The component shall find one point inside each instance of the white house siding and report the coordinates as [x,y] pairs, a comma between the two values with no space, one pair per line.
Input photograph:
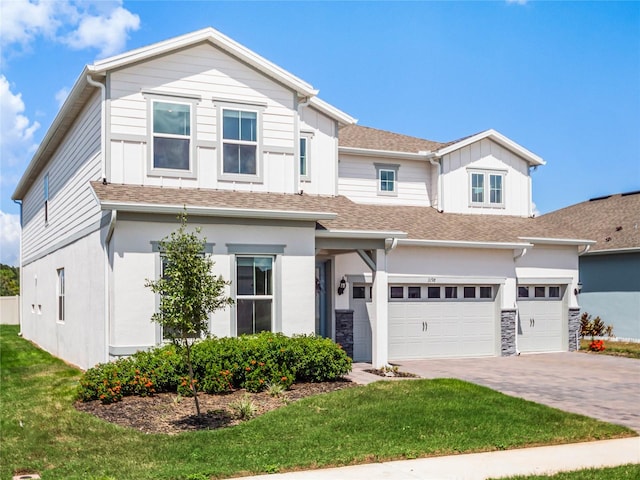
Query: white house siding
[132,304]
[485,155]
[72,206]
[209,74]
[323,148]
[357,180]
[80,339]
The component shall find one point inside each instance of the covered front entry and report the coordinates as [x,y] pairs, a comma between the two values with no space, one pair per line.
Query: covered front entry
[541,318]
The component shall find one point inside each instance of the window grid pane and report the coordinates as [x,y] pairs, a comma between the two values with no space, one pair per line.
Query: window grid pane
[469,292]
[523,292]
[477,188]
[397,292]
[414,292]
[495,195]
[554,292]
[539,292]
[450,292]
[486,292]
[433,292]
[172,118]
[387,180]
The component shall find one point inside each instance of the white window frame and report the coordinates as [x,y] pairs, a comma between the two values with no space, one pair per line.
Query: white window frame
[271,296]
[60,293]
[547,292]
[172,172]
[388,168]
[486,189]
[258,177]
[306,139]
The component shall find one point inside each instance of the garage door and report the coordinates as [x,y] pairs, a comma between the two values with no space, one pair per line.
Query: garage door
[442,321]
[540,318]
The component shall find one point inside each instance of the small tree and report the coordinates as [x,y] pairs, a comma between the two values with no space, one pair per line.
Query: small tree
[188,291]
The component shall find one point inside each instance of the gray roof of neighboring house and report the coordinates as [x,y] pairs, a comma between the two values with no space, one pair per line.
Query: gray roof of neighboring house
[612,221]
[420,223]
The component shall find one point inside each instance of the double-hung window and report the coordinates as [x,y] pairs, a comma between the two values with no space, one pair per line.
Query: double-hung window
[254,294]
[60,289]
[240,142]
[171,135]
[487,189]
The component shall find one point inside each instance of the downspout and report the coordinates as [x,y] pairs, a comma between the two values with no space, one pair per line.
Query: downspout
[439,182]
[299,106]
[516,257]
[103,126]
[19,202]
[584,250]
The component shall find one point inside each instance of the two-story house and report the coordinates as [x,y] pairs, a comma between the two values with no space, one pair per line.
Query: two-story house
[395,246]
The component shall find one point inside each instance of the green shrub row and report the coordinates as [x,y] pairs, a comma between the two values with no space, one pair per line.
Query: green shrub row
[220,365]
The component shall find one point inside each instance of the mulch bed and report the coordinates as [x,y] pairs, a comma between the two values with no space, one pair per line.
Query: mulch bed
[391,374]
[170,414]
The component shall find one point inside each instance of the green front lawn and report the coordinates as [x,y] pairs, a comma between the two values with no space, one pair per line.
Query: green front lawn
[624,472]
[42,432]
[617,349]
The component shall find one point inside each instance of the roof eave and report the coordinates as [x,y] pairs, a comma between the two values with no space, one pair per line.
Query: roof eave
[216,211]
[373,234]
[496,136]
[558,241]
[37,161]
[612,251]
[464,244]
[342,117]
[371,152]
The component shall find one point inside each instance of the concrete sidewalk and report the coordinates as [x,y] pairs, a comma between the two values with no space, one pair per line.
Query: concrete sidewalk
[480,466]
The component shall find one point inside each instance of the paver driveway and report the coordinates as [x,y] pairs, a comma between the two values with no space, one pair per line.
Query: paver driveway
[599,386]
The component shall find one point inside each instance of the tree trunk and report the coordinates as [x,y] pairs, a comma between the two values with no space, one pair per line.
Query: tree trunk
[194,390]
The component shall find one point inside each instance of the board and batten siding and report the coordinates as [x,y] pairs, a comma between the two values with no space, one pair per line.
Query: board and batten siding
[73,209]
[357,180]
[213,78]
[485,155]
[321,132]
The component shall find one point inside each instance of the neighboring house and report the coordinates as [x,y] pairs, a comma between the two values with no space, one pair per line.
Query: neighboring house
[610,269]
[394,246]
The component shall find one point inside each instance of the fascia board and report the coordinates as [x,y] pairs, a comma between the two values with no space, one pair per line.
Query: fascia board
[218,212]
[531,157]
[612,251]
[37,161]
[367,152]
[332,111]
[360,234]
[557,241]
[463,244]
[219,40]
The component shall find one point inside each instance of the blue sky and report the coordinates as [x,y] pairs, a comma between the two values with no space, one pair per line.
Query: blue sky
[561,79]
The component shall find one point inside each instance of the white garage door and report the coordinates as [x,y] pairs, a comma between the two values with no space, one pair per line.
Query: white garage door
[430,321]
[540,318]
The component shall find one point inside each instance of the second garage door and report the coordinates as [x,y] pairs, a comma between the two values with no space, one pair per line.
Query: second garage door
[541,318]
[442,321]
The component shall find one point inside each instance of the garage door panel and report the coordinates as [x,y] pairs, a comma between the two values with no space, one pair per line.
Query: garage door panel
[452,329]
[540,323]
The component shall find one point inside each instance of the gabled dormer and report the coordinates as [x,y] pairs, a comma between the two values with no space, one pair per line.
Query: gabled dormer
[485,173]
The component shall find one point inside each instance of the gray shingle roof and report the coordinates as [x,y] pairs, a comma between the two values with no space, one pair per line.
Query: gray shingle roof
[420,223]
[613,221]
[371,138]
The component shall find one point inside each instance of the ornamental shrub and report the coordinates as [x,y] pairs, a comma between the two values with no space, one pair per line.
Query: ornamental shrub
[220,365]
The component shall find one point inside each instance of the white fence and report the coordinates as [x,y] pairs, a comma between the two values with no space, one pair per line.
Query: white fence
[10,310]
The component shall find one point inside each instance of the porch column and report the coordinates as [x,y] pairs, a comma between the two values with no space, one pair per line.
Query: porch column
[380,304]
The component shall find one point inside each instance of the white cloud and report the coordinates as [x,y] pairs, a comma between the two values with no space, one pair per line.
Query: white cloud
[61,96]
[99,24]
[108,33]
[16,130]
[9,238]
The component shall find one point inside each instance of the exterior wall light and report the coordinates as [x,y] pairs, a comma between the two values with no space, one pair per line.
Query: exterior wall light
[342,286]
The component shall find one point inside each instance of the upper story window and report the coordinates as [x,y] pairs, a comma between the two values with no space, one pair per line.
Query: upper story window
[171,135]
[46,197]
[240,142]
[304,157]
[387,178]
[487,189]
